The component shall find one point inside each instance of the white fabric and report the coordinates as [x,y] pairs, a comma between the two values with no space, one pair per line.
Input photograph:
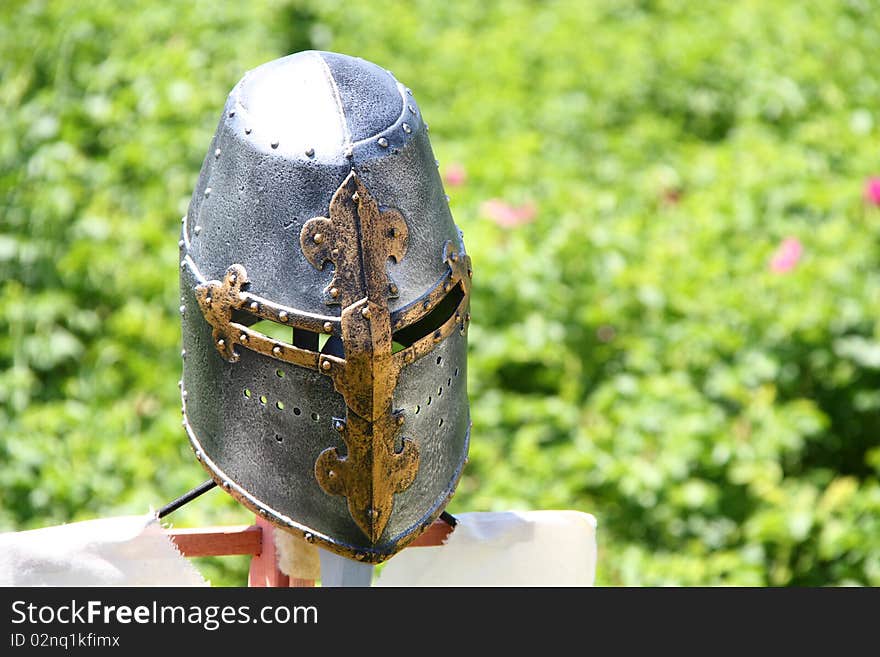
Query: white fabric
[530,548]
[124,551]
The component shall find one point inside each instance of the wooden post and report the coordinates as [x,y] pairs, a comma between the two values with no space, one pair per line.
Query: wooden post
[264,567]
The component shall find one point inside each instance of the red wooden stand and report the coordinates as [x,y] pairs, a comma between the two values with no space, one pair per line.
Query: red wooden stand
[259,541]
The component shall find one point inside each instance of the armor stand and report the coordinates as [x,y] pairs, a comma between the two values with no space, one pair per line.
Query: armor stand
[258,540]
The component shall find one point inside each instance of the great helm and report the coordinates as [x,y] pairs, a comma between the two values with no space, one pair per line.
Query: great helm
[325,292]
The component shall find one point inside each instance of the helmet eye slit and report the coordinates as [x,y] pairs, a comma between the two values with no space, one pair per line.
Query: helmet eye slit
[286,334]
[437,317]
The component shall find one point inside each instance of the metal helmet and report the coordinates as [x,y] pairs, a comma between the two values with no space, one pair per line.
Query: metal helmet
[325,292]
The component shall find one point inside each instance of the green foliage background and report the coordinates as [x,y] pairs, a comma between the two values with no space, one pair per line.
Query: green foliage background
[632,355]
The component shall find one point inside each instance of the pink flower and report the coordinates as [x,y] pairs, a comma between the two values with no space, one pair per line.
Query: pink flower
[872,190]
[455,175]
[787,256]
[509,216]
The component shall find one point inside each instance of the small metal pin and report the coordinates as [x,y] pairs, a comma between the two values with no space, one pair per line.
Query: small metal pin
[355,197]
[437,336]
[393,232]
[255,305]
[447,287]
[274,144]
[276,350]
[248,130]
[183,264]
[207,192]
[406,128]
[331,474]
[382,142]
[232,278]
[392,288]
[328,327]
[426,305]
[349,153]
[334,292]
[217,153]
[334,252]
[181,243]
[182,309]
[243,337]
[373,515]
[412,109]
[231,113]
[282,315]
[366,312]
[326,365]
[309,537]
[318,238]
[453,256]
[339,425]
[197,230]
[221,342]
[310,152]
[183,353]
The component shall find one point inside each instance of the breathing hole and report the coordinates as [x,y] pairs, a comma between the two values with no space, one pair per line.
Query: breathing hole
[440,391]
[418,408]
[439,359]
[449,382]
[429,401]
[279,405]
[456,371]
[247,393]
[279,374]
[440,422]
[263,400]
[278,438]
[297,410]
[316,417]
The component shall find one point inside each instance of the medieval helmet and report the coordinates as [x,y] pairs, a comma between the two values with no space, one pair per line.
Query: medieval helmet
[325,292]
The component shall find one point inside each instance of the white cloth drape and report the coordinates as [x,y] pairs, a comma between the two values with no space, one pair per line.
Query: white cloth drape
[124,551]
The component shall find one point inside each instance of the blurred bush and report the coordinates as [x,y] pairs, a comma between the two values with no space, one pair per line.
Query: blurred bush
[676,291]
